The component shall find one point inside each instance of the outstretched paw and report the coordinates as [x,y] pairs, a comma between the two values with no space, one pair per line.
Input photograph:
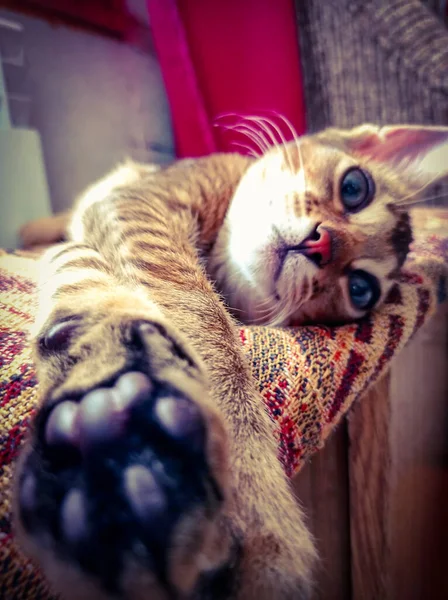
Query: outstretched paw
[122,479]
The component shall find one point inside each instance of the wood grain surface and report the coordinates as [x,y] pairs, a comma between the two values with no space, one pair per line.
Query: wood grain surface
[376,497]
[398,471]
[322,489]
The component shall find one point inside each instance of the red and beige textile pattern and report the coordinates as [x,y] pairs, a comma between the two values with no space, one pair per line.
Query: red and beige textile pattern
[308,376]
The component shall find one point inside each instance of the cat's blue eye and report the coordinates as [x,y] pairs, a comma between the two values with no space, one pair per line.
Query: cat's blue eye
[363,289]
[357,189]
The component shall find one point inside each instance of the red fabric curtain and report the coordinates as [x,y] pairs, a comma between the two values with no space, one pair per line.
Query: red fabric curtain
[225,57]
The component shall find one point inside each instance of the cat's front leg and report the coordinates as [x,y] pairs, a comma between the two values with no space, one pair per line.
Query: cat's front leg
[120,488]
[124,488]
[276,555]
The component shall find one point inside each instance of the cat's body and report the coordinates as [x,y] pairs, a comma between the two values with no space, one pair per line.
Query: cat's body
[152,471]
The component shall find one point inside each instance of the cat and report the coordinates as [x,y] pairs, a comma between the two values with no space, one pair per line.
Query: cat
[151,471]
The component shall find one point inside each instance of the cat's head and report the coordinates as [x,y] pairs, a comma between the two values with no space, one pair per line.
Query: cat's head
[318,230]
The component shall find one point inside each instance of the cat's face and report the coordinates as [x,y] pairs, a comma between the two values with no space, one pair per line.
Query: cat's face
[317,231]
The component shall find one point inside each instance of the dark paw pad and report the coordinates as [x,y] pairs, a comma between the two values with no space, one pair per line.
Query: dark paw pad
[113,473]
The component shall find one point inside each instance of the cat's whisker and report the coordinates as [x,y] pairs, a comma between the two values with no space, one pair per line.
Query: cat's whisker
[235,128]
[244,127]
[268,122]
[285,142]
[265,304]
[254,136]
[251,151]
[240,310]
[266,312]
[264,128]
[264,315]
[424,200]
[267,319]
[266,301]
[277,315]
[436,197]
[281,317]
[288,124]
[259,320]
[222,116]
[267,140]
[298,144]
[420,190]
[265,307]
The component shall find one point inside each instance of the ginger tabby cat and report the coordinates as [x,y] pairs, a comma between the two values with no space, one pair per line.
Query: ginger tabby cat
[151,471]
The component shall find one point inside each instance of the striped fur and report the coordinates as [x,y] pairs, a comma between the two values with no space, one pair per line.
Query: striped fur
[148,244]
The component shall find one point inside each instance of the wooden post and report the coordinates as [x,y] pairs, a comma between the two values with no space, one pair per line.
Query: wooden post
[398,471]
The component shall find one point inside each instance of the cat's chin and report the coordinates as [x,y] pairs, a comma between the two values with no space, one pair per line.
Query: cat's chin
[268,311]
[293,285]
[271,302]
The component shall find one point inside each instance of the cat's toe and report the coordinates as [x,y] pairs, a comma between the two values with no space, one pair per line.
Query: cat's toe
[100,416]
[145,495]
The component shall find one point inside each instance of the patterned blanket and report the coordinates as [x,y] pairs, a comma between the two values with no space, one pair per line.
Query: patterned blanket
[308,376]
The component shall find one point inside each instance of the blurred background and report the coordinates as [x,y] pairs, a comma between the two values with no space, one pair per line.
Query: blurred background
[87,83]
[100,80]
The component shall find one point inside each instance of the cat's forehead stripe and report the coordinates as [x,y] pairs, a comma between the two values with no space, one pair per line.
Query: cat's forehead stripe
[401,237]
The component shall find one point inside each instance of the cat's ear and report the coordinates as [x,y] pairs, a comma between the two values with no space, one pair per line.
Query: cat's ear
[419,152]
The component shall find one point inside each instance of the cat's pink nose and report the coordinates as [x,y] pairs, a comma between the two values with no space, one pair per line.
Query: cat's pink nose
[317,247]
